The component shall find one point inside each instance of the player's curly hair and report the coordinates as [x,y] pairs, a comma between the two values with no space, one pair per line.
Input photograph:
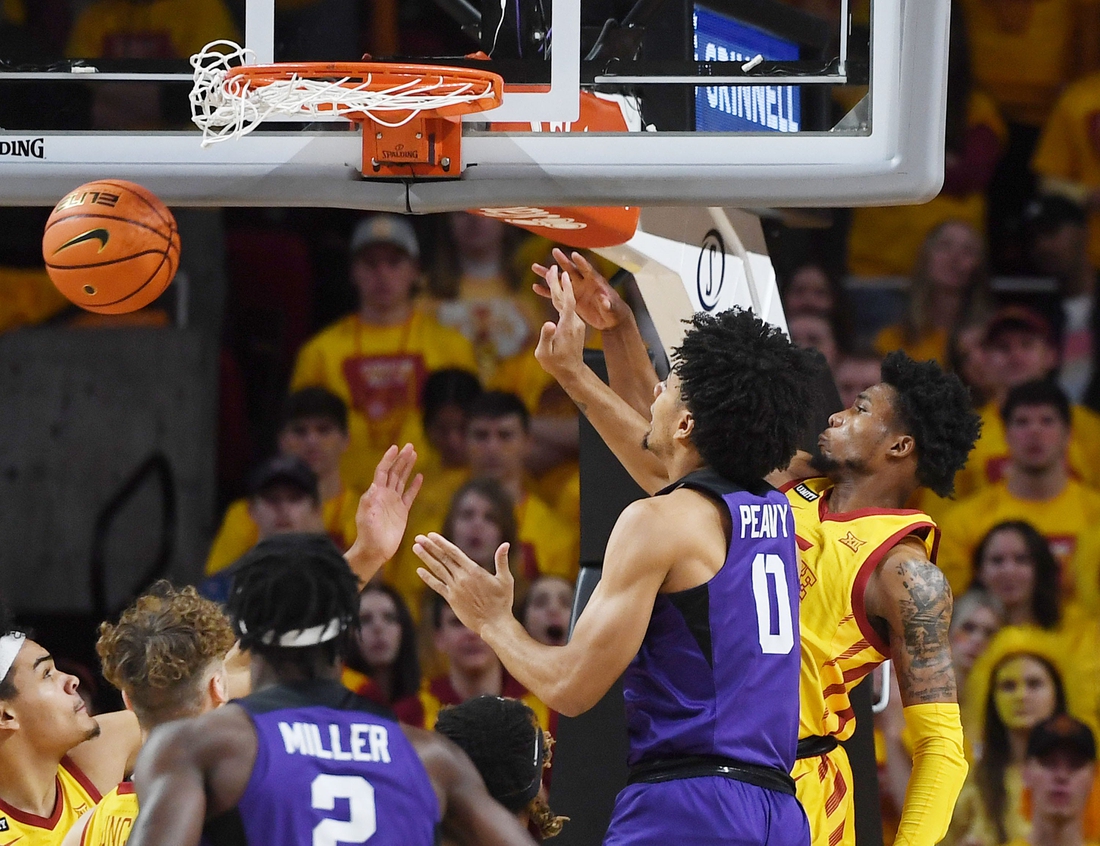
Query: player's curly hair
[934,407]
[287,584]
[159,651]
[503,739]
[747,388]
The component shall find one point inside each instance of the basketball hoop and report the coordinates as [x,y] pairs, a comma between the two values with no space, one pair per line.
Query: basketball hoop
[410,114]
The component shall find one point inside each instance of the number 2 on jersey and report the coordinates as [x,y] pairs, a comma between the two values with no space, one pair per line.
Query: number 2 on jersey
[782,641]
[362,821]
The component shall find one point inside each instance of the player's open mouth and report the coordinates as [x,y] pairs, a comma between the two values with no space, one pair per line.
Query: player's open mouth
[556,633]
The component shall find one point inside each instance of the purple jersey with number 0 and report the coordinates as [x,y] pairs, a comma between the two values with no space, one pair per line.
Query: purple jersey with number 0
[331,768]
[718,670]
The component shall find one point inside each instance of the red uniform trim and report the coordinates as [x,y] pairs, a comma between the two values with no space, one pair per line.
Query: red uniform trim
[26,818]
[85,782]
[864,575]
[843,517]
[125,788]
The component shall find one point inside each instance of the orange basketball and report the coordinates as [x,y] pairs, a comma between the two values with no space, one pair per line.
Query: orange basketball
[111,246]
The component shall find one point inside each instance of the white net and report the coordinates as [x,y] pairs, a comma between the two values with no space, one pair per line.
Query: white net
[229,108]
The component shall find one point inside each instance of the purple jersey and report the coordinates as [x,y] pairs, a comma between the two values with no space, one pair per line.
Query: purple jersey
[718,671]
[331,768]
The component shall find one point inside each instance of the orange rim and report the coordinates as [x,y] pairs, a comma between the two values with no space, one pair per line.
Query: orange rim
[380,76]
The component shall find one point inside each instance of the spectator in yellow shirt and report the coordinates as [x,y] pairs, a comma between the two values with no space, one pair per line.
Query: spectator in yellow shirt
[1018,683]
[315,429]
[1014,564]
[497,440]
[1059,773]
[1067,160]
[949,281]
[377,359]
[478,291]
[446,398]
[283,498]
[1037,487]
[1020,347]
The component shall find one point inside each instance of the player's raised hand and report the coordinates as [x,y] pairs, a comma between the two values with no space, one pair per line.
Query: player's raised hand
[560,350]
[383,512]
[477,596]
[598,304]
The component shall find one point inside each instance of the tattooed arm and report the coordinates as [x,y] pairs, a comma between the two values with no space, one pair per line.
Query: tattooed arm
[909,596]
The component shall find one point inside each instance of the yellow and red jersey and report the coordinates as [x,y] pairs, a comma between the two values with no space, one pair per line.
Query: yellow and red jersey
[111,820]
[989,458]
[1064,521]
[75,796]
[379,371]
[839,552]
[238,532]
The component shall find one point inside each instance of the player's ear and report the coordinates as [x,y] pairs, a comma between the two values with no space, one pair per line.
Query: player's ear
[217,688]
[903,446]
[8,719]
[685,425]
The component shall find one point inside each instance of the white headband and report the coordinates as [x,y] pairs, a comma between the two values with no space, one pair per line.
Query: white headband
[303,637]
[10,644]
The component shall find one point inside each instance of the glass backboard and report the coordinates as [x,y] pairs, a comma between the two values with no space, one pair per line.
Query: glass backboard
[749,103]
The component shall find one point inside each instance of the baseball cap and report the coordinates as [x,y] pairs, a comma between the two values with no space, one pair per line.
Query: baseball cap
[385,229]
[1049,212]
[288,469]
[1062,732]
[1019,318]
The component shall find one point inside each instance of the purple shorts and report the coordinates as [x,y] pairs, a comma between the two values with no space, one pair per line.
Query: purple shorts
[706,811]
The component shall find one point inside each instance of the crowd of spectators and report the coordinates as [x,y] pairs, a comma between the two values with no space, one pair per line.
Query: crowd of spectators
[995,279]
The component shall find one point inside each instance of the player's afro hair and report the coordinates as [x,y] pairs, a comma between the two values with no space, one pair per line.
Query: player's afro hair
[748,389]
[287,584]
[934,407]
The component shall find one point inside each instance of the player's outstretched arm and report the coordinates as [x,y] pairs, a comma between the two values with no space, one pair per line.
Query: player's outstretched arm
[470,814]
[571,678]
[912,596]
[383,512]
[560,351]
[190,771]
[108,757]
[599,305]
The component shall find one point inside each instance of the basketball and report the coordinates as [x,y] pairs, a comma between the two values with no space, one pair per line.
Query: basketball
[111,246]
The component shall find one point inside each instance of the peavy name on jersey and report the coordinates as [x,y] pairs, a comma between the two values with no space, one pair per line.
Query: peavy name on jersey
[763,521]
[364,741]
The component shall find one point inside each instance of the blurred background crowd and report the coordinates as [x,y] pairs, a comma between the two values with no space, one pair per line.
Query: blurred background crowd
[343,333]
